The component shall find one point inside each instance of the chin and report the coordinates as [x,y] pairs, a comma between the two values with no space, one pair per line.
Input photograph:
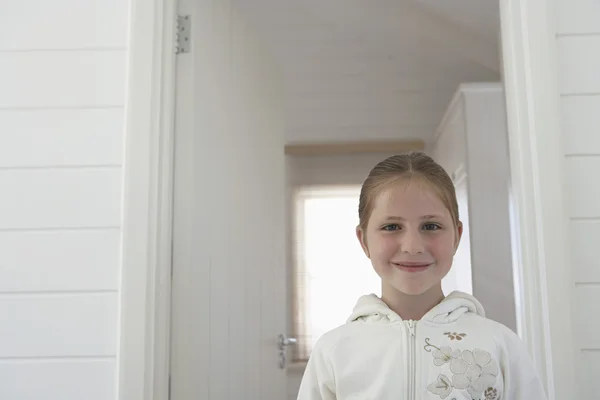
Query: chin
[411,290]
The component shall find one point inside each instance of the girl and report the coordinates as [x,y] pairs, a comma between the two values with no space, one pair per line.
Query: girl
[414,343]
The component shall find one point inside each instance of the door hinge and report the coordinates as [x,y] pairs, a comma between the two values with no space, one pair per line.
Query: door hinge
[184,25]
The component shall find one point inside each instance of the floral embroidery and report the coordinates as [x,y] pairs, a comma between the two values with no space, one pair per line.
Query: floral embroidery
[455,336]
[441,355]
[442,387]
[491,394]
[474,371]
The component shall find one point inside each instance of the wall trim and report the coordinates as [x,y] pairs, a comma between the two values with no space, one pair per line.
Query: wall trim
[345,148]
[537,173]
[457,100]
[143,370]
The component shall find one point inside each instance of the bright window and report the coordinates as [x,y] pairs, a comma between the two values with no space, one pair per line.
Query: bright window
[331,270]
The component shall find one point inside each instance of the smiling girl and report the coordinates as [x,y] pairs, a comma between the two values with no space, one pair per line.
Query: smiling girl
[414,343]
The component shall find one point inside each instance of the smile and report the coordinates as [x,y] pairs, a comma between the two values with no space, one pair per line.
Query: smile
[412,267]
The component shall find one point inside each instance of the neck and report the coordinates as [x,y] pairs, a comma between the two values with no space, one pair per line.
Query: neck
[411,307]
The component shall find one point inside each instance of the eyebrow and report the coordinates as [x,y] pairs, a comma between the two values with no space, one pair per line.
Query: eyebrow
[432,216]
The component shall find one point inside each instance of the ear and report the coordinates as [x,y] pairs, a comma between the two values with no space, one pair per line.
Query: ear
[459,232]
[362,238]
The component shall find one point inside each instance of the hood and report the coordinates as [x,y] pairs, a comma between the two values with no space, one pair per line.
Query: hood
[454,306]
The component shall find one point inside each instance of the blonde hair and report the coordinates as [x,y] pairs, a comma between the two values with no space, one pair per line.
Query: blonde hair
[406,166]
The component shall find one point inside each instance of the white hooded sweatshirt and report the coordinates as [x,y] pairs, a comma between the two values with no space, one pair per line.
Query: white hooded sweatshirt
[452,353]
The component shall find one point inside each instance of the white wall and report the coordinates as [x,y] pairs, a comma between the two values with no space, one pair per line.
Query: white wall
[62,82]
[489,207]
[578,49]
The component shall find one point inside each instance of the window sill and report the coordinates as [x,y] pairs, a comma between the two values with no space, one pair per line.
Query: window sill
[297,367]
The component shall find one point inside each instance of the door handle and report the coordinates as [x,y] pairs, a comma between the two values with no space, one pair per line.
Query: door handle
[285,341]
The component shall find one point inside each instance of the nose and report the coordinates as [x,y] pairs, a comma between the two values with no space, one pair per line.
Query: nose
[411,242]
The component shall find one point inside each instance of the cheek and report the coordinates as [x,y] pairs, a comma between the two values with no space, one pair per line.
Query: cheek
[384,245]
[442,246]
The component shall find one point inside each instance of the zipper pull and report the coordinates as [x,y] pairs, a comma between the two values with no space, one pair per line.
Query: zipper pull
[411,327]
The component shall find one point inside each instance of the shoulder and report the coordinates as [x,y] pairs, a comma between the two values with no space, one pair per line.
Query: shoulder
[505,339]
[350,335]
[329,340]
[488,326]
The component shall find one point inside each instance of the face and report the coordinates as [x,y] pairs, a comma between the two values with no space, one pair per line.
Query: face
[410,237]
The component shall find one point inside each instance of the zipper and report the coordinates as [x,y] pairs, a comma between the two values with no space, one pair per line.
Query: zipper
[412,358]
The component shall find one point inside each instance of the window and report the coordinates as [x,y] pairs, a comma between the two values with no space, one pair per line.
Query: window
[331,270]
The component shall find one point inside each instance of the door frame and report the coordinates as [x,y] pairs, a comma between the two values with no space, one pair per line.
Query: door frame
[144,345]
[530,81]
[540,251]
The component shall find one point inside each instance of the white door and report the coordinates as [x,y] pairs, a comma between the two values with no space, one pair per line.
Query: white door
[229,289]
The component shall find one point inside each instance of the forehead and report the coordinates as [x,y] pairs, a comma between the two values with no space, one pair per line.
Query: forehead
[409,199]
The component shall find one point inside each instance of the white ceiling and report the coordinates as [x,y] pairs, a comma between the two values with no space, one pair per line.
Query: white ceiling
[379,69]
[478,16]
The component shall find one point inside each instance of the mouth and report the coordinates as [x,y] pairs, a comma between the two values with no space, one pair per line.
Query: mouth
[412,266]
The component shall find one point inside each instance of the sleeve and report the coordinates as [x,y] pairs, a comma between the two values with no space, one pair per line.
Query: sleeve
[521,380]
[317,382]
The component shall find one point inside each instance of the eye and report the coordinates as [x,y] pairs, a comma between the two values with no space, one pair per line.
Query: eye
[391,227]
[431,227]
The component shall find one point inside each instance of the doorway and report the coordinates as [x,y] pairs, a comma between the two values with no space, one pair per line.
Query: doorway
[283,75]
[216,242]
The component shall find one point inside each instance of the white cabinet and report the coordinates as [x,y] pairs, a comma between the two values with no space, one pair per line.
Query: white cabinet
[471,143]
